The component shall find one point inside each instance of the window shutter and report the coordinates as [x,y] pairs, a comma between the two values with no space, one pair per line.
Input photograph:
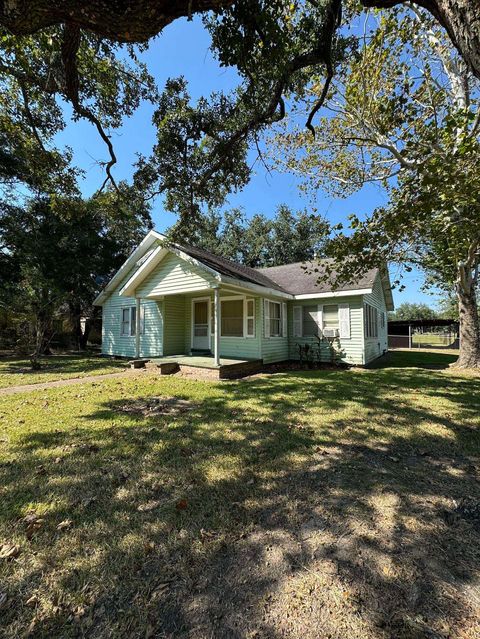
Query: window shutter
[266,318]
[344,320]
[297,321]
[320,320]
[284,320]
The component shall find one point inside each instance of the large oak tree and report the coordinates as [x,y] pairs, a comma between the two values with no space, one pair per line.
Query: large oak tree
[139,20]
[272,43]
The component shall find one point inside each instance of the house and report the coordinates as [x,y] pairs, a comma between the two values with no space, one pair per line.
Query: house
[169,300]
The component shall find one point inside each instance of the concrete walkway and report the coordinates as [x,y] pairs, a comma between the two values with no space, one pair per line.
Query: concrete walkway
[11,390]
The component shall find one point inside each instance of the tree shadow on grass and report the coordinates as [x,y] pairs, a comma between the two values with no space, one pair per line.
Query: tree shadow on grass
[415,358]
[265,511]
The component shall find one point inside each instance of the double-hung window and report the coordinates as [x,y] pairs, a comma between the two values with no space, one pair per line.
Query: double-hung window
[371,321]
[275,319]
[309,327]
[250,306]
[129,321]
[330,316]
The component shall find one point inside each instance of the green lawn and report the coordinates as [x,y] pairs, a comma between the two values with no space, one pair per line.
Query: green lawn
[433,339]
[300,505]
[17,371]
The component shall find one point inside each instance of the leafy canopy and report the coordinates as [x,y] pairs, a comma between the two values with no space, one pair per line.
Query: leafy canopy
[258,241]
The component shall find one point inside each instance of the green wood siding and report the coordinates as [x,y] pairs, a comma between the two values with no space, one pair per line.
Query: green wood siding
[235,347]
[351,349]
[113,343]
[273,349]
[168,323]
[375,346]
[174,275]
[174,325]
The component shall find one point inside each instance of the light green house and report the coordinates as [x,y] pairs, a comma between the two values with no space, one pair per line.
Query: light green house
[175,300]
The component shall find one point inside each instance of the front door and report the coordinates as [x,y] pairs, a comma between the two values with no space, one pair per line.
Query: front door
[200,340]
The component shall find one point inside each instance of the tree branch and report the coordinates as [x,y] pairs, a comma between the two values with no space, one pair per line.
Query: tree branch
[30,118]
[70,45]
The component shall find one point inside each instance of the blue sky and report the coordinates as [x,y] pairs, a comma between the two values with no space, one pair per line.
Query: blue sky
[193,59]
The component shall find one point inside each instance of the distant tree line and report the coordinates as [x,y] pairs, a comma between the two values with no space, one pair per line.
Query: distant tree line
[258,241]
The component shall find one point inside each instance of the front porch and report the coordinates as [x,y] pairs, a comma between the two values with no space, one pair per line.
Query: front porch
[206,366]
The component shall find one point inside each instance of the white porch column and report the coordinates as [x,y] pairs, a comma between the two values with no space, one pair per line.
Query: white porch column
[137,328]
[216,324]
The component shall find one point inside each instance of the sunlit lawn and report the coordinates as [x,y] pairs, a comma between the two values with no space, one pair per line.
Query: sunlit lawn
[16,371]
[301,504]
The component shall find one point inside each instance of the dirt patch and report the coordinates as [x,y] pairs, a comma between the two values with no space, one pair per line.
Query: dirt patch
[153,406]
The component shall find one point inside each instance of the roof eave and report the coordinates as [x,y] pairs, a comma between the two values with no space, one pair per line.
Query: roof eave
[347,293]
[141,249]
[387,288]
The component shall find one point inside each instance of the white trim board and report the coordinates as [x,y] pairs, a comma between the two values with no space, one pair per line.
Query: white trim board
[128,289]
[315,296]
[136,255]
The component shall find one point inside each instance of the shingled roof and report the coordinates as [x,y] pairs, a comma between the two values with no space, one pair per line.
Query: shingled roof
[229,268]
[301,278]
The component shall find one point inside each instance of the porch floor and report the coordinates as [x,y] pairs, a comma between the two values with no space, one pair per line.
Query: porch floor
[203,366]
[201,361]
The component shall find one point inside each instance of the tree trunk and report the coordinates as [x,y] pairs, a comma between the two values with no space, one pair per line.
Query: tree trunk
[469,328]
[79,336]
[140,20]
[461,19]
[120,21]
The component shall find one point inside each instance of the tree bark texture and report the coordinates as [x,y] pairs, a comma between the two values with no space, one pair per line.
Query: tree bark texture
[139,20]
[469,356]
[118,20]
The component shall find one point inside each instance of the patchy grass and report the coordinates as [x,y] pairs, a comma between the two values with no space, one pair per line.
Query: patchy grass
[300,504]
[437,339]
[16,371]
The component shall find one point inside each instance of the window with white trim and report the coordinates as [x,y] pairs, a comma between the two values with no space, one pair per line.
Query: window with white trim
[275,319]
[371,321]
[231,316]
[310,321]
[250,314]
[330,316]
[128,325]
[125,327]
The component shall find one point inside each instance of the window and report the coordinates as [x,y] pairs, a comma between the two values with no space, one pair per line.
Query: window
[309,321]
[330,316]
[250,318]
[125,321]
[133,320]
[231,318]
[371,321]
[129,321]
[275,319]
[382,319]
